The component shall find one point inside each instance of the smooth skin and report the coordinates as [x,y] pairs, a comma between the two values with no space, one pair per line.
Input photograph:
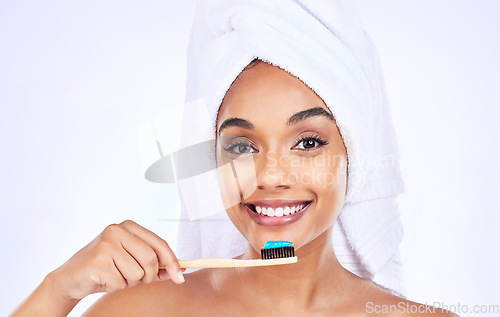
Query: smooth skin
[123,260]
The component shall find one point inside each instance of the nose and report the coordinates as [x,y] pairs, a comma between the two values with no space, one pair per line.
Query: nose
[273,171]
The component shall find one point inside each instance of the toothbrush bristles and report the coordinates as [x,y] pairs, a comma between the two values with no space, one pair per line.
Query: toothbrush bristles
[277,253]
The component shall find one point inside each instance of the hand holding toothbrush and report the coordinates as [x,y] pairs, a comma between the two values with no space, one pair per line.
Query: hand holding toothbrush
[122,256]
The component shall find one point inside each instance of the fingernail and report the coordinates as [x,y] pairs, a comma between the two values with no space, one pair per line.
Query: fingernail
[181,276]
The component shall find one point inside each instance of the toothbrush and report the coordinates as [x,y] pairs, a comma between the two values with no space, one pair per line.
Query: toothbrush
[272,253]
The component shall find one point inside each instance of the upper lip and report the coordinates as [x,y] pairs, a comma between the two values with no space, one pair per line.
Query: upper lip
[275,203]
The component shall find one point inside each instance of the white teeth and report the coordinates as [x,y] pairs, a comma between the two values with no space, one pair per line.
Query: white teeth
[286,212]
[279,212]
[270,212]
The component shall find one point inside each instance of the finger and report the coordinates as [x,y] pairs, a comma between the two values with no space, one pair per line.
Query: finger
[110,279]
[164,254]
[128,267]
[142,254]
[163,274]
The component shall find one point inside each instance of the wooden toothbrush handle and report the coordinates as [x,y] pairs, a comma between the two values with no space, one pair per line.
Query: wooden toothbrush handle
[223,262]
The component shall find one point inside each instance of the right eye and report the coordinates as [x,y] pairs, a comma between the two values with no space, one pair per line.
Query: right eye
[240,148]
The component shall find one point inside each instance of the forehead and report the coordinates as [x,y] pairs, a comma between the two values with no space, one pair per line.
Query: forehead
[265,91]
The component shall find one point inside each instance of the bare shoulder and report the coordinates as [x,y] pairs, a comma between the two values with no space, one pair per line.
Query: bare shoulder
[161,298]
[379,302]
[386,304]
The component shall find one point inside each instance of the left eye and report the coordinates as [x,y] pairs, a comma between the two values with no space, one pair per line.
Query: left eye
[310,143]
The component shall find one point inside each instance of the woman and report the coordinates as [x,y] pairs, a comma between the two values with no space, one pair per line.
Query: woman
[123,260]
[271,120]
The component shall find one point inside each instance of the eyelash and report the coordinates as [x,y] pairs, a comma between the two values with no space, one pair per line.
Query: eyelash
[315,138]
[230,147]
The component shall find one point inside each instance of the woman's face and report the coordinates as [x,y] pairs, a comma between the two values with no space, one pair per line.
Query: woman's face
[289,163]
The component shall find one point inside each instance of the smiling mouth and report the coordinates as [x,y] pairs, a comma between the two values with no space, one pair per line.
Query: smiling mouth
[276,212]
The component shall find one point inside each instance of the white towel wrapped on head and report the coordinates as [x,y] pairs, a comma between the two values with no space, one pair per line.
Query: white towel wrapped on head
[324,45]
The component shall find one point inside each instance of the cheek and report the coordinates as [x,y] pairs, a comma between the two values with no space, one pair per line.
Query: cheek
[228,186]
[237,179]
[324,173]
[230,192]
[328,179]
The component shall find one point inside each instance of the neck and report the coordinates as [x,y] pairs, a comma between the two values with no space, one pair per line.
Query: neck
[316,273]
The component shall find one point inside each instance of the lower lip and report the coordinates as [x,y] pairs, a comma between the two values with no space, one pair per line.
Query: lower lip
[276,221]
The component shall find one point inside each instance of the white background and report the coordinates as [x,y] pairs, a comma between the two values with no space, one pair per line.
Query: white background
[78,78]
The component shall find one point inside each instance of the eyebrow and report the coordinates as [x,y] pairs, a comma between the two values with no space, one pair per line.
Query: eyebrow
[236,122]
[294,119]
[309,113]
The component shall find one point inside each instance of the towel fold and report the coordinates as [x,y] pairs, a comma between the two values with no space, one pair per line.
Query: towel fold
[324,45]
